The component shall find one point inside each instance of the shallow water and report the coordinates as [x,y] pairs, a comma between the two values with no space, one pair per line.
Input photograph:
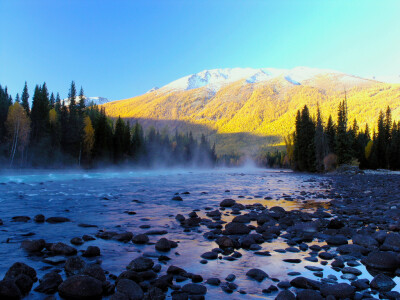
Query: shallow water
[102,199]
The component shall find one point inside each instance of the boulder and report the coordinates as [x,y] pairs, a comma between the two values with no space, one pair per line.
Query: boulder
[257,274]
[130,289]
[81,287]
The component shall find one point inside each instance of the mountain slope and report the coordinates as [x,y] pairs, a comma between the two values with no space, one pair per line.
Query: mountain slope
[242,109]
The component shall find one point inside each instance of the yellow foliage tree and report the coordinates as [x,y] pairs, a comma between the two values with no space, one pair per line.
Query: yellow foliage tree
[52,116]
[88,138]
[18,128]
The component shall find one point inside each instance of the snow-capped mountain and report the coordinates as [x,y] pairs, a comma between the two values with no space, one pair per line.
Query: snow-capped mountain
[89,100]
[216,78]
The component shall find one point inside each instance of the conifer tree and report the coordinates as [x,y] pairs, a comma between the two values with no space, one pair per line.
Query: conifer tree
[343,143]
[25,99]
[321,145]
[17,98]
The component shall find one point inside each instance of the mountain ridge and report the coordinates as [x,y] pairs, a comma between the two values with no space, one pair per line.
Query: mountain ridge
[228,104]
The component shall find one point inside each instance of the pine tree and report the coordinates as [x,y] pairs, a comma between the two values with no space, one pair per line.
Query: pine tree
[52,101]
[25,99]
[57,104]
[304,141]
[321,145]
[17,98]
[118,140]
[343,143]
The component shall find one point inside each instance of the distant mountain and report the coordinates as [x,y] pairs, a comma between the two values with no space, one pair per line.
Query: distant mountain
[243,108]
[90,100]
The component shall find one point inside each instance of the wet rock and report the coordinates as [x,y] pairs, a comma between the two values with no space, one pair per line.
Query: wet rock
[91,251]
[361,284]
[308,295]
[49,283]
[177,198]
[74,266]
[209,255]
[194,289]
[81,287]
[154,293]
[63,249]
[33,245]
[225,242]
[392,242]
[123,237]
[95,271]
[285,295]
[336,240]
[365,241]
[140,264]
[335,224]
[304,283]
[325,255]
[76,241]
[230,277]
[236,228]
[337,263]
[227,203]
[106,235]
[20,268]
[20,219]
[54,220]
[382,283]
[140,239]
[350,270]
[180,218]
[339,291]
[165,245]
[292,260]
[24,283]
[156,232]
[39,218]
[88,238]
[352,248]
[9,290]
[130,288]
[381,260]
[131,275]
[257,274]
[213,281]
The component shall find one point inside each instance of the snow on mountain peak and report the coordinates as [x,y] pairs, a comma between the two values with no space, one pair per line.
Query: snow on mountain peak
[89,100]
[216,78]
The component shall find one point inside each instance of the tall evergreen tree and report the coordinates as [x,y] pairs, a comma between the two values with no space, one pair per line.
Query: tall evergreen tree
[321,144]
[343,144]
[25,99]
[52,101]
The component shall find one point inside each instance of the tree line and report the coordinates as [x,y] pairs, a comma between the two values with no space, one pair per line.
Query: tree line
[57,133]
[316,147]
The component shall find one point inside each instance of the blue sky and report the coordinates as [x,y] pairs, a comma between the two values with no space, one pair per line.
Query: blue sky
[119,49]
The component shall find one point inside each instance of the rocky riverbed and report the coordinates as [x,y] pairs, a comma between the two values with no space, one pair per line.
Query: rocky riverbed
[214,234]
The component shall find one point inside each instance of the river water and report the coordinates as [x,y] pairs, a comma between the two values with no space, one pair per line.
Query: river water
[103,198]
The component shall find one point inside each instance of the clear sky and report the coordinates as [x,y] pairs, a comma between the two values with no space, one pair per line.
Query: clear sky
[119,49]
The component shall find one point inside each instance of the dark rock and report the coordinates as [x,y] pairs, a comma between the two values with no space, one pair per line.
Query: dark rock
[177,198]
[339,291]
[392,242]
[154,293]
[81,287]
[213,281]
[88,238]
[352,248]
[285,295]
[123,237]
[350,270]
[20,268]
[33,245]
[49,283]
[95,271]
[9,290]
[308,295]
[20,219]
[91,251]
[165,245]
[382,283]
[381,260]
[335,224]
[336,240]
[194,289]
[106,235]
[39,218]
[76,241]
[230,277]
[140,239]
[61,248]
[225,242]
[209,255]
[236,228]
[292,260]
[174,270]
[74,266]
[54,220]
[361,284]
[325,255]
[257,274]
[24,283]
[304,283]
[365,241]
[140,264]
[227,203]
